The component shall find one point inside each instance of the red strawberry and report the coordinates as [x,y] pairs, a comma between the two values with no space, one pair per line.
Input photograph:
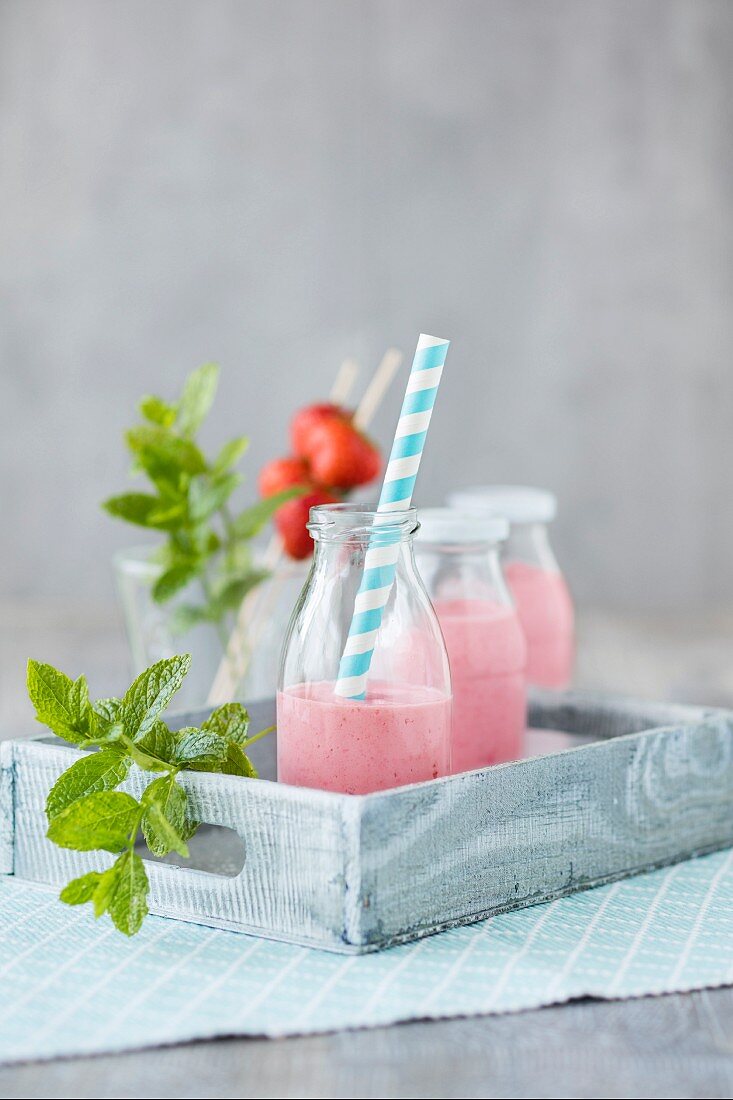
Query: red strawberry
[306,419]
[291,519]
[340,455]
[280,474]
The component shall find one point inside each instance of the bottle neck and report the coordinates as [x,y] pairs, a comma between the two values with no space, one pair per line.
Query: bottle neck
[462,572]
[358,544]
[529,543]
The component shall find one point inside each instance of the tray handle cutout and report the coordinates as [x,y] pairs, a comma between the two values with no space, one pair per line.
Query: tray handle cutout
[214,850]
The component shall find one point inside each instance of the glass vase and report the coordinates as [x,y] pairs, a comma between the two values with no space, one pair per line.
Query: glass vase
[152,631]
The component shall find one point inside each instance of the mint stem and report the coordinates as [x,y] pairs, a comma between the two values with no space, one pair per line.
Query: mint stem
[258,736]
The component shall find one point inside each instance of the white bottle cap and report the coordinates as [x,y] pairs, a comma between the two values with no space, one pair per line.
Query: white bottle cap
[452,525]
[517,503]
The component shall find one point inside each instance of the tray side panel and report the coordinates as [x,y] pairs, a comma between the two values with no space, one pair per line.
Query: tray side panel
[605,716]
[7,807]
[292,884]
[522,833]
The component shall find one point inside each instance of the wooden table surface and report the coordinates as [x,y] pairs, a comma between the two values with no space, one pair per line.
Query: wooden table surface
[679,1045]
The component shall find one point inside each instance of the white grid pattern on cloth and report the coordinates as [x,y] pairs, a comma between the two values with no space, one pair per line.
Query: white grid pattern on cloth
[74,987]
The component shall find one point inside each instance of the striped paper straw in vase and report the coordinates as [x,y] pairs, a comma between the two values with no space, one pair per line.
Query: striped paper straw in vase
[380,560]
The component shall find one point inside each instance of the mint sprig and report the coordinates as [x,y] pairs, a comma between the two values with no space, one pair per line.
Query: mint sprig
[85,810]
[190,504]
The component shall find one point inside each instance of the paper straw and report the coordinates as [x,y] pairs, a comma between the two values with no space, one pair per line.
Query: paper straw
[380,560]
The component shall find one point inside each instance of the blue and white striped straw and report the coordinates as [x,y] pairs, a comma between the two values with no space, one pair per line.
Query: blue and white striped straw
[380,560]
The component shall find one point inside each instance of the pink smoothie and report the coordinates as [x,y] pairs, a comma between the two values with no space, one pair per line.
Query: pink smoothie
[399,734]
[546,614]
[487,654]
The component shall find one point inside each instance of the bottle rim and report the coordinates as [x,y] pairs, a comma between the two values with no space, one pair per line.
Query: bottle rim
[352,519]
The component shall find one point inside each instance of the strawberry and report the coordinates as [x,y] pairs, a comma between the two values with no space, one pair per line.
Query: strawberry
[340,455]
[280,474]
[308,418]
[291,519]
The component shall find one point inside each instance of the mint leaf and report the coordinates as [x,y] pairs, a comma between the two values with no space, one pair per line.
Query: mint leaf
[107,712]
[171,798]
[144,760]
[79,702]
[212,543]
[149,695]
[176,578]
[187,616]
[157,411]
[104,819]
[164,823]
[199,391]
[138,508]
[127,901]
[160,836]
[164,455]
[159,743]
[80,890]
[253,519]
[106,723]
[100,771]
[236,763]
[230,453]
[206,495]
[230,721]
[168,516]
[61,704]
[232,594]
[155,751]
[105,889]
[198,749]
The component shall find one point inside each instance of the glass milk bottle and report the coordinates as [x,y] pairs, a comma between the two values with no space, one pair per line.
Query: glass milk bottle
[400,731]
[533,575]
[458,558]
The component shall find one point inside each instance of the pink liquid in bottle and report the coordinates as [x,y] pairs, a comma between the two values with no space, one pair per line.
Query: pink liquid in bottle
[399,734]
[546,614]
[487,654]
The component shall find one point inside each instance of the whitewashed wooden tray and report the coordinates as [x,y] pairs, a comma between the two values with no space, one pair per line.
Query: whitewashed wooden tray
[360,873]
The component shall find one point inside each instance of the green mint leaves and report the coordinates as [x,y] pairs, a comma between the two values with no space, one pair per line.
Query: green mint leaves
[85,810]
[102,771]
[197,398]
[105,820]
[190,505]
[166,825]
[230,721]
[149,695]
[61,704]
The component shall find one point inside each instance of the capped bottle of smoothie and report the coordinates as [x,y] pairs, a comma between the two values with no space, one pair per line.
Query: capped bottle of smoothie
[458,558]
[532,574]
[399,732]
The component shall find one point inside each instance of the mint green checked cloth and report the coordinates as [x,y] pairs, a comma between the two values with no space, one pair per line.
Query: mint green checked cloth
[69,985]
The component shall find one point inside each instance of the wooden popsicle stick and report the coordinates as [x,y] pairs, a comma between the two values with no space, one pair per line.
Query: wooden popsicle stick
[380,382]
[344,382]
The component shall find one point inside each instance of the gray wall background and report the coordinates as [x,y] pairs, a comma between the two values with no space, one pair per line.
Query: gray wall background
[276,185]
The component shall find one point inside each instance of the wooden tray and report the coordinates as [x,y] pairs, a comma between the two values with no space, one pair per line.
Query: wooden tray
[356,873]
